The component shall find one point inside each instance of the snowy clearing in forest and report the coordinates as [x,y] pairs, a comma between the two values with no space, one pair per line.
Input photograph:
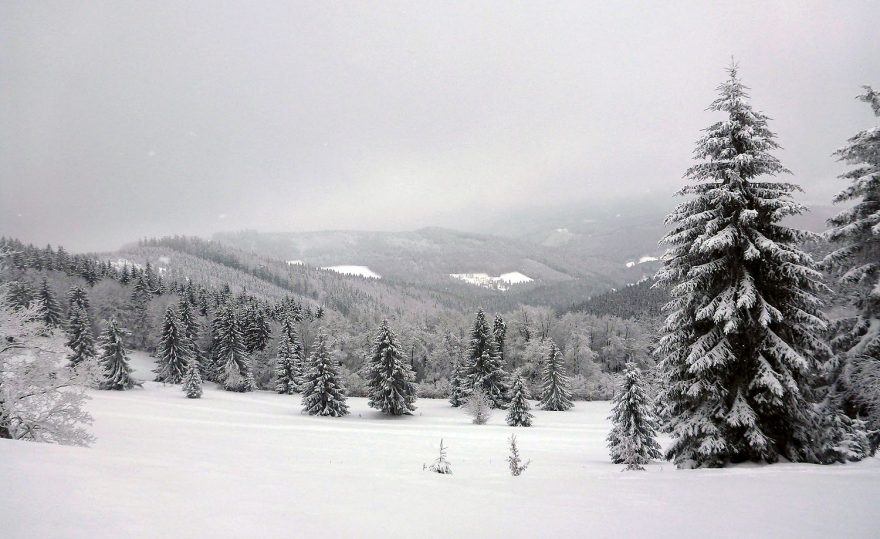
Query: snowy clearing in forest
[360,271]
[502,282]
[250,465]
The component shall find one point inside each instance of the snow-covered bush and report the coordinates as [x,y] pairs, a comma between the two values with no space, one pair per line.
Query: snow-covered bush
[436,390]
[40,399]
[478,406]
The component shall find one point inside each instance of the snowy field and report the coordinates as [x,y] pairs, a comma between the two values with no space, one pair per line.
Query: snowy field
[250,465]
[358,271]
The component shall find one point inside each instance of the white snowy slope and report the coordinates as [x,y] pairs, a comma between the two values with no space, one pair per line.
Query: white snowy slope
[250,465]
[360,271]
[501,282]
[642,260]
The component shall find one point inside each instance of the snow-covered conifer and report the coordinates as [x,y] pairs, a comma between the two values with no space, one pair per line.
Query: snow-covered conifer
[518,414]
[390,378]
[632,437]
[291,358]
[80,339]
[322,389]
[441,465]
[77,297]
[556,387]
[231,359]
[457,391]
[174,352]
[484,368]
[114,359]
[742,337]
[190,328]
[257,331]
[856,231]
[192,380]
[50,311]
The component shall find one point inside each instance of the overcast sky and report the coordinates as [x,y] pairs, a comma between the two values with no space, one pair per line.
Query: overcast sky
[120,119]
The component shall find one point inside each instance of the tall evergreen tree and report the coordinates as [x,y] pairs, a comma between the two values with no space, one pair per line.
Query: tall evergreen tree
[322,389]
[390,378]
[257,331]
[79,337]
[77,297]
[856,231]
[742,338]
[457,392]
[484,368]
[632,437]
[174,352]
[556,387]
[191,331]
[291,358]
[47,305]
[518,414]
[231,358]
[114,359]
[499,332]
[19,294]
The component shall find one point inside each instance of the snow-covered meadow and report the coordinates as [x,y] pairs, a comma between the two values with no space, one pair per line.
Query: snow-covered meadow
[250,465]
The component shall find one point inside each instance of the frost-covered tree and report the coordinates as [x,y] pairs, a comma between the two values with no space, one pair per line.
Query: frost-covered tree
[742,338]
[478,406]
[322,389]
[632,437]
[291,358]
[257,332]
[191,330]
[856,231]
[47,305]
[441,465]
[518,414]
[192,380]
[114,359]
[484,368]
[77,297]
[230,357]
[79,336]
[514,461]
[457,392]
[390,377]
[40,400]
[555,385]
[499,332]
[174,352]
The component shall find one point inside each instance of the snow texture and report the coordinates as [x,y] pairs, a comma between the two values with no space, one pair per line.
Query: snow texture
[163,464]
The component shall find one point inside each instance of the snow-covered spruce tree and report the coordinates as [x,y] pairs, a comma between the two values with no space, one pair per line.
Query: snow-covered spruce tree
[518,414]
[856,231]
[231,359]
[50,311]
[484,368]
[556,387]
[174,352]
[390,377]
[499,332]
[192,380]
[257,332]
[80,339]
[457,393]
[322,389]
[632,437]
[741,342]
[514,461]
[77,297]
[441,465]
[114,359]
[191,331]
[291,358]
